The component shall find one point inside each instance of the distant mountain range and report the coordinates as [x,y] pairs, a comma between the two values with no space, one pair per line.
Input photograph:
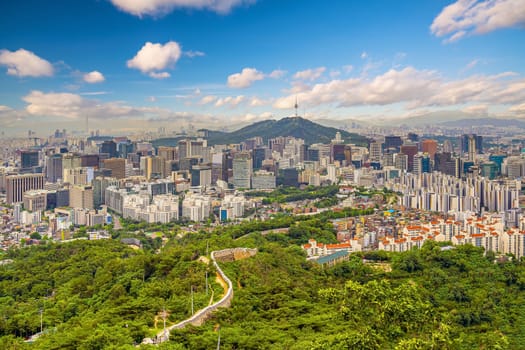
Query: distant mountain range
[293,126]
[502,123]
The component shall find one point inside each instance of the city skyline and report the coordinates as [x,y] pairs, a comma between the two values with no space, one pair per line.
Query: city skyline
[129,66]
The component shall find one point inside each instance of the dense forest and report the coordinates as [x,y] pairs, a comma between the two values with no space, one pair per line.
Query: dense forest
[103,294]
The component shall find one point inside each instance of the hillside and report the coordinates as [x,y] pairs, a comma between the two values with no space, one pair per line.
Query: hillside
[98,295]
[294,126]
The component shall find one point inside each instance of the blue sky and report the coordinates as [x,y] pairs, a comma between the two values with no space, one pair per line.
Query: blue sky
[133,65]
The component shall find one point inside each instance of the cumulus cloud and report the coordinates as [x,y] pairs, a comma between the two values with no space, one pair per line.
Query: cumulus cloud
[364,55]
[230,101]
[467,17]
[277,74]
[207,99]
[160,7]
[73,106]
[94,77]
[310,74]
[245,78]
[23,63]
[415,88]
[154,58]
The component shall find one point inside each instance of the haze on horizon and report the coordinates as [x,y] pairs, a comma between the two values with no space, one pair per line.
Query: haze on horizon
[138,65]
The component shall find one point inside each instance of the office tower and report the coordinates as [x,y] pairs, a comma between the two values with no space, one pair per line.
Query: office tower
[393,142]
[242,170]
[259,155]
[54,168]
[448,147]
[167,153]
[152,167]
[412,137]
[184,148]
[17,185]
[28,159]
[201,175]
[498,159]
[70,161]
[78,176]
[337,153]
[348,155]
[465,143]
[430,147]
[81,197]
[263,180]
[401,161]
[117,167]
[124,148]
[374,151]
[472,149]
[421,163]
[446,164]
[489,170]
[110,148]
[90,160]
[410,150]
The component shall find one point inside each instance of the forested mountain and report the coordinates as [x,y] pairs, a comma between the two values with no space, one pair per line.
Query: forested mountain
[294,126]
[98,295]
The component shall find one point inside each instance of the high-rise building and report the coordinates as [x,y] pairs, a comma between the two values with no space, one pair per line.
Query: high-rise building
[201,175]
[152,167]
[410,150]
[421,163]
[242,170]
[472,149]
[393,142]
[375,151]
[78,176]
[259,155]
[54,168]
[430,147]
[117,167]
[17,185]
[167,153]
[109,147]
[99,189]
[81,197]
[70,161]
[337,152]
[28,159]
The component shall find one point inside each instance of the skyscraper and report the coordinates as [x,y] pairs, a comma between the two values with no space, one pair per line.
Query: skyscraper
[54,167]
[430,147]
[242,170]
[28,159]
[117,167]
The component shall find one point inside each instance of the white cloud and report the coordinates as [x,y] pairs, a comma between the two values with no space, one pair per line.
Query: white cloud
[207,100]
[348,68]
[23,63]
[476,109]
[364,55]
[310,74]
[94,77]
[466,17]
[4,108]
[159,7]
[277,74]
[245,78]
[518,109]
[257,102]
[192,54]
[159,75]
[415,88]
[153,58]
[230,101]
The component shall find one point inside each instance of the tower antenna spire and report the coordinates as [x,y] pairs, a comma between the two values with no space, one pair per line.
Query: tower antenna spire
[296,106]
